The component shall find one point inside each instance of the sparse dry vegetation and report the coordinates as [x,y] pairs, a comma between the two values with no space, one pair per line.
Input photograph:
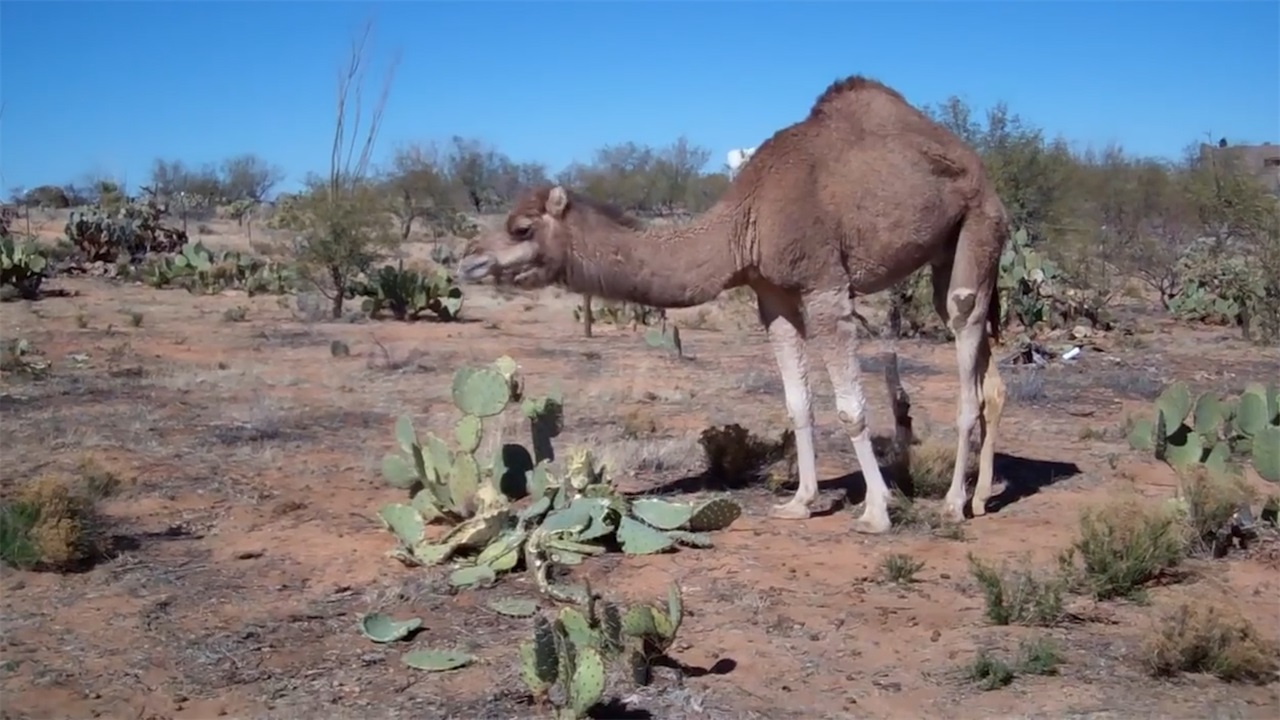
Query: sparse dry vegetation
[1199,637]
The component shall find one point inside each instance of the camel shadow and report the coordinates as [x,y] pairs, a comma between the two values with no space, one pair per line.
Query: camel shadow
[618,709]
[1022,478]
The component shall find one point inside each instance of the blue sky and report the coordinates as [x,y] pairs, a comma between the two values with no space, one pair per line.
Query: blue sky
[106,87]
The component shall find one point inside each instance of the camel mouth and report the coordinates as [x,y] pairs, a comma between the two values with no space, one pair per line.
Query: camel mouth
[476,267]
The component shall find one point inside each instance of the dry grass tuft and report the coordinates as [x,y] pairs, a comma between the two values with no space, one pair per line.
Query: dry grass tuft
[1019,596]
[53,524]
[1209,503]
[1213,639]
[924,469]
[1127,545]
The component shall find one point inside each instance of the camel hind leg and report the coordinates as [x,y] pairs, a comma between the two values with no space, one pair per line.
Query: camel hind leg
[962,293]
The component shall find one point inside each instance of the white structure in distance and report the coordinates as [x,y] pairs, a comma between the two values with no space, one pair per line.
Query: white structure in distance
[737,158]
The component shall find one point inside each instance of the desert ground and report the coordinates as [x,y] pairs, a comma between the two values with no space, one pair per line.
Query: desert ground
[247,458]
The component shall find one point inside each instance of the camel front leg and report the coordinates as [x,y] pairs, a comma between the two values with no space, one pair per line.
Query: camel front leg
[833,328]
[781,316]
[993,394]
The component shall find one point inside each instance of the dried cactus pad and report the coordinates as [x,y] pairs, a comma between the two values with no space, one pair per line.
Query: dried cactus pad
[716,514]
[514,607]
[483,392]
[382,629]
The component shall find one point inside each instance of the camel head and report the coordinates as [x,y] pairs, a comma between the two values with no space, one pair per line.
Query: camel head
[530,249]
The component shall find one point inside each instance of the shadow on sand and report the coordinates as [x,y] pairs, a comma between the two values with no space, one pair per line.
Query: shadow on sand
[1022,478]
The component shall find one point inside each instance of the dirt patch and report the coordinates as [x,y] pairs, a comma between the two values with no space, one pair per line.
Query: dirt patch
[250,455]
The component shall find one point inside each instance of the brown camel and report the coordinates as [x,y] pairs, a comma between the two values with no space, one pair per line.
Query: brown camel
[850,200]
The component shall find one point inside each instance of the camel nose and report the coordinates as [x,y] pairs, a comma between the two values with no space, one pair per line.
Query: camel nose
[475,268]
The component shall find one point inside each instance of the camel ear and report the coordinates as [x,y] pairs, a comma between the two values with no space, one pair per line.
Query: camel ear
[557,202]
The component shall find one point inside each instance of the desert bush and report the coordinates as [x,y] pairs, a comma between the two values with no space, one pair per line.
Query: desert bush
[1038,656]
[52,525]
[127,233]
[900,568]
[1126,545]
[736,456]
[1201,638]
[1019,596]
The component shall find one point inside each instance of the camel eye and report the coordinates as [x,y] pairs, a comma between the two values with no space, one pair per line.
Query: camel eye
[525,232]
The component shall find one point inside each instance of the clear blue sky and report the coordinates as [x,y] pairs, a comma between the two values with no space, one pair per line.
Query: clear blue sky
[106,87]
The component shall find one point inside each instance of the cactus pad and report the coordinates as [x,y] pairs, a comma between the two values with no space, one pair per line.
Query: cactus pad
[382,629]
[1266,453]
[398,472]
[1251,415]
[1175,402]
[662,514]
[437,660]
[406,438]
[514,607]
[1142,436]
[1187,451]
[637,538]
[473,576]
[637,622]
[483,392]
[587,685]
[716,514]
[1208,415]
[468,432]
[403,521]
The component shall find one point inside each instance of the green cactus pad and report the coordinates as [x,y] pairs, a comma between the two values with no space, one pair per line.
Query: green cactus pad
[473,576]
[546,654]
[403,521]
[505,365]
[529,669]
[577,628]
[1142,435]
[1185,449]
[399,472]
[483,392]
[437,660]
[637,622]
[1175,402]
[716,514]
[637,538]
[1266,453]
[662,514]
[437,460]
[468,433]
[587,685]
[536,482]
[1208,415]
[663,624]
[514,607]
[535,511]
[1251,415]
[604,522]
[382,629]
[1273,402]
[424,501]
[465,481]
[406,438]
[1216,461]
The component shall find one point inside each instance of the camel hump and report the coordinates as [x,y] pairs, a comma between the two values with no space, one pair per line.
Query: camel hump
[852,85]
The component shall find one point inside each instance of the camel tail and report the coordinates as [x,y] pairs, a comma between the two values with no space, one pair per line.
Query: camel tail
[993,316]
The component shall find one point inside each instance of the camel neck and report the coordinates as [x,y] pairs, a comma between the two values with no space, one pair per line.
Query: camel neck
[671,266]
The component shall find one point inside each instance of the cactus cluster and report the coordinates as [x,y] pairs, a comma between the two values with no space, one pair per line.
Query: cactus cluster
[1224,290]
[573,650]
[1034,290]
[1210,430]
[201,270]
[22,266]
[566,520]
[408,294]
[128,234]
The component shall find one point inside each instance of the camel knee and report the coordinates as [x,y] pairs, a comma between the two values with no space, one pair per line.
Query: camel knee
[960,305]
[994,394]
[853,418]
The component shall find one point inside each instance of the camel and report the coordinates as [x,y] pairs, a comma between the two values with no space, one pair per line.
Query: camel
[849,201]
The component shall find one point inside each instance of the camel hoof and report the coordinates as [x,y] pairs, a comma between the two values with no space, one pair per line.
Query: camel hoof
[872,524]
[790,511]
[979,507]
[954,512]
